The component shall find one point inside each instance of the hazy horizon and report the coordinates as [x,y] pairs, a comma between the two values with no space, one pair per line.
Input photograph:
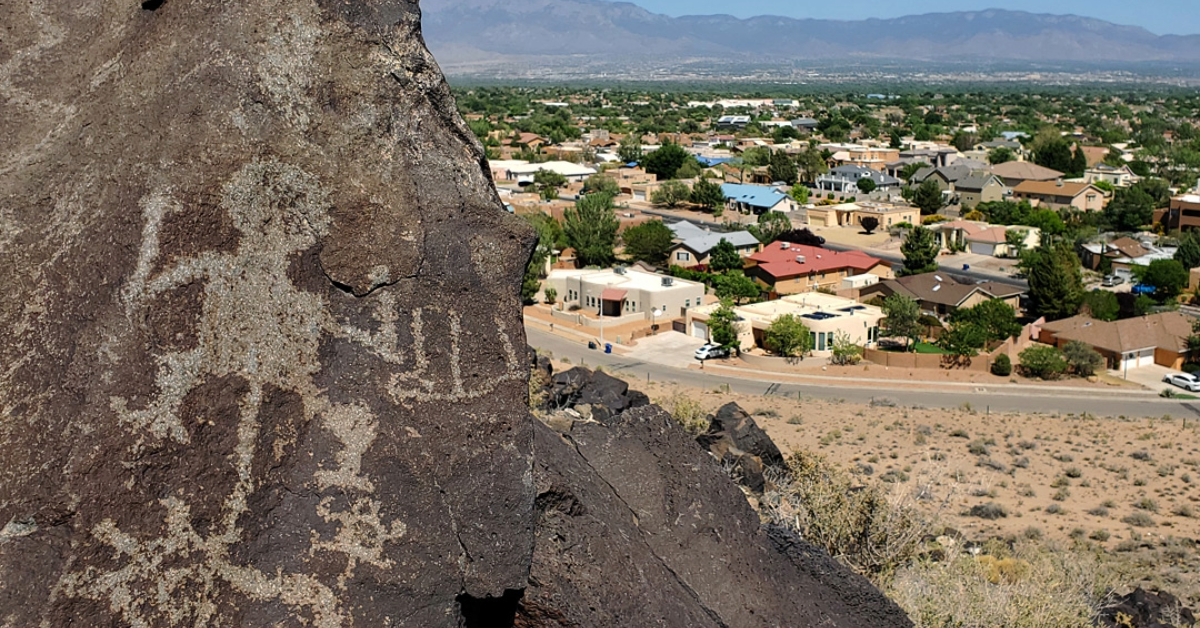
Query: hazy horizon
[1161,17]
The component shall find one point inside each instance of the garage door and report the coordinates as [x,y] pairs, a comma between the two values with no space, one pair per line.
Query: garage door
[983,248]
[1146,358]
[699,330]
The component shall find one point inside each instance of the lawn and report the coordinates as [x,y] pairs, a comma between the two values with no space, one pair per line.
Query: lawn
[925,347]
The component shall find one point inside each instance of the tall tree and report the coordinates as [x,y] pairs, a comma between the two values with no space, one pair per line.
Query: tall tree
[928,197]
[1167,276]
[787,336]
[782,168]
[648,242]
[707,194]
[811,165]
[995,319]
[920,251]
[591,229]
[1015,240]
[601,184]
[1053,153]
[723,326]
[1055,280]
[1101,305]
[1000,155]
[866,185]
[770,226]
[547,183]
[724,257]
[1130,209]
[630,150]
[903,316]
[737,287]
[1188,252]
[665,161]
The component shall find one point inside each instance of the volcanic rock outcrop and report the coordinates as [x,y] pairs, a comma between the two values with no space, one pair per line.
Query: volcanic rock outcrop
[261,358]
[262,363]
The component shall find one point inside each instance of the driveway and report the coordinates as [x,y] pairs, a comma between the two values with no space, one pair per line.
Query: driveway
[670,348]
[1149,376]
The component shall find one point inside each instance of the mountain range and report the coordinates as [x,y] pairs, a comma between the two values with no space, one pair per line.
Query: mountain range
[463,33]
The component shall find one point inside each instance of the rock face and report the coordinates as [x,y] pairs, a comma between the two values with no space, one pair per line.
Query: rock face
[639,526]
[740,444]
[261,360]
[1146,609]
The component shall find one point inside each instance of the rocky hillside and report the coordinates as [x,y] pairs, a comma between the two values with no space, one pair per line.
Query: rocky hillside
[262,363]
[593,30]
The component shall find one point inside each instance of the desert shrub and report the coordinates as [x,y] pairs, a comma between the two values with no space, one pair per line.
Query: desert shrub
[1064,457]
[1032,586]
[1002,366]
[1055,509]
[1021,463]
[1060,482]
[867,528]
[1099,535]
[960,433]
[1139,520]
[894,477]
[1142,455]
[1146,503]
[1183,510]
[1073,472]
[687,412]
[769,413]
[990,511]
[1082,358]
[1043,361]
[978,448]
[1098,511]
[1061,494]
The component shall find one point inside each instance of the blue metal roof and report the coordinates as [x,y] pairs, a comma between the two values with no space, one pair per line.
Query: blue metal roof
[753,195]
[712,161]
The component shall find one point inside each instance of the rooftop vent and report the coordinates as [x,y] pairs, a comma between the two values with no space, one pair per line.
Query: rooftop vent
[938,277]
[668,281]
[783,245]
[800,259]
[937,287]
[620,270]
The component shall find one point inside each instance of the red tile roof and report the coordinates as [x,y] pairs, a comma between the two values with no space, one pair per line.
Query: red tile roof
[781,263]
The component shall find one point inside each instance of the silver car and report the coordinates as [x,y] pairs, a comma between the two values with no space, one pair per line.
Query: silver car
[1186,381]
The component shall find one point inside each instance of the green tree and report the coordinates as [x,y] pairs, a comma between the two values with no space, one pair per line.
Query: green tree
[665,161]
[1043,361]
[920,251]
[963,340]
[1167,276]
[869,224]
[782,168]
[531,282]
[903,316]
[551,294]
[601,184]
[756,156]
[1015,239]
[909,170]
[591,228]
[787,336]
[1002,366]
[811,165]
[707,194]
[724,257]
[928,197]
[1055,154]
[1101,305]
[649,242]
[1000,155]
[1055,280]
[547,183]
[736,287]
[995,319]
[630,150]
[1081,358]
[800,193]
[1188,252]
[690,169]
[866,185]
[723,326]
[671,194]
[1130,209]
[770,226]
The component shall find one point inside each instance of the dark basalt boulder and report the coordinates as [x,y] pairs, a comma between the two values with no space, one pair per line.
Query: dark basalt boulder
[735,439]
[1146,609]
[261,353]
[605,395]
[639,526]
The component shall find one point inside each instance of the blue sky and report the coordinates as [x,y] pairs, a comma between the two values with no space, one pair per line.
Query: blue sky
[1180,17]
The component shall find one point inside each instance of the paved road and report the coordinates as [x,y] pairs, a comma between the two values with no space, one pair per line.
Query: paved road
[997,401]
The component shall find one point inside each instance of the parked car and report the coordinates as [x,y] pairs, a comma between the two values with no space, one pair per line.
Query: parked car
[1112,280]
[710,351]
[1186,381]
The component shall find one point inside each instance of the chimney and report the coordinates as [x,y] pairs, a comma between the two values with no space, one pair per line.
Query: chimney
[1059,182]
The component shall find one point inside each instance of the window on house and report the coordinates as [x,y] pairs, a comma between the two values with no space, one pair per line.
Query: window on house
[682,256]
[814,337]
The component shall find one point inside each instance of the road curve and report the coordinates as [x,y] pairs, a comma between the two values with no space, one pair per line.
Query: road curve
[1072,402]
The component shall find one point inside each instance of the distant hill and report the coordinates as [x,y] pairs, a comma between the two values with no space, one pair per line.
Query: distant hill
[492,31]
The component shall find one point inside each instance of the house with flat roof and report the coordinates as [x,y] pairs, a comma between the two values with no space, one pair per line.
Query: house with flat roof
[1128,343]
[1119,176]
[694,244]
[626,293]
[787,268]
[982,238]
[851,214]
[1182,215]
[827,317]
[756,199]
[524,173]
[1058,194]
[940,294]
